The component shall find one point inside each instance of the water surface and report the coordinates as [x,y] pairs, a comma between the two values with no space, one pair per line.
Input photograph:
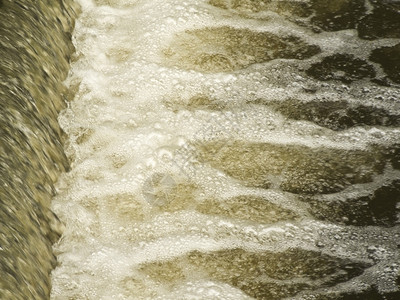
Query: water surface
[231,150]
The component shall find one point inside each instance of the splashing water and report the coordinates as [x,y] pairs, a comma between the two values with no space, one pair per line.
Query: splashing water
[231,150]
[34,58]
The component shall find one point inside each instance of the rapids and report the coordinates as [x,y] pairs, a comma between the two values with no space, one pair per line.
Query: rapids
[231,149]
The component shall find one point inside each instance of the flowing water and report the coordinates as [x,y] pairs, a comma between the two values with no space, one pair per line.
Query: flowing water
[34,52]
[232,150]
[218,149]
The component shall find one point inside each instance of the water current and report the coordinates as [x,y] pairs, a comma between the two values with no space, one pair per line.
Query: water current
[209,149]
[35,46]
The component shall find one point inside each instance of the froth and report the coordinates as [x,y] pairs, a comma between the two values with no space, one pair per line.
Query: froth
[181,145]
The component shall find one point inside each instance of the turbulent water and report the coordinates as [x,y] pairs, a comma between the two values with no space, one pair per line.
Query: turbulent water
[214,149]
[35,45]
[232,150]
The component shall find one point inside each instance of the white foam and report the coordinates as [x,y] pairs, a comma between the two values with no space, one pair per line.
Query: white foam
[121,133]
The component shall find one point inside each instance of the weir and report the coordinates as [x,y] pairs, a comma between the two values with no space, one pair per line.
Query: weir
[34,59]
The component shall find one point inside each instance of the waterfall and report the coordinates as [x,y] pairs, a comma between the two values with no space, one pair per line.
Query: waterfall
[34,59]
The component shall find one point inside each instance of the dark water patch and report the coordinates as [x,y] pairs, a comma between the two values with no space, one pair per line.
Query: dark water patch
[370,294]
[293,168]
[262,275]
[168,195]
[383,22]
[249,208]
[197,102]
[222,49]
[337,15]
[296,8]
[378,207]
[283,7]
[342,67]
[251,5]
[383,204]
[389,59]
[34,53]
[335,115]
[393,154]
